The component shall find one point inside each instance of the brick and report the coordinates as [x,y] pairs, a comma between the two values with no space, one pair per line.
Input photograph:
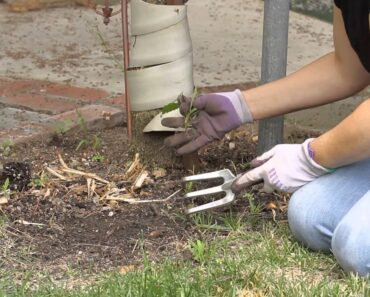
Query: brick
[95,117]
[117,100]
[14,87]
[3,84]
[39,103]
[84,94]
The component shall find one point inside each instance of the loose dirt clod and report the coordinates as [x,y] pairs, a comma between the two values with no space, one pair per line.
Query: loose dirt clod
[17,173]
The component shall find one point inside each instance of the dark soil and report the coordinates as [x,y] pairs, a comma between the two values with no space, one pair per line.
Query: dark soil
[69,230]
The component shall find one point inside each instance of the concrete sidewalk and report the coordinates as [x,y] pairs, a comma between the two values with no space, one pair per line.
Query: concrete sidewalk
[62,44]
[59,64]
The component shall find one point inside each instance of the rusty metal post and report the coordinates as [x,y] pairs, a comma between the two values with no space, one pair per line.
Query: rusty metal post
[126,63]
[274,60]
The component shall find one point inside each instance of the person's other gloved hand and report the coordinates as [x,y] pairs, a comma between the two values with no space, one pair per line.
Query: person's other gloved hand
[219,113]
[286,167]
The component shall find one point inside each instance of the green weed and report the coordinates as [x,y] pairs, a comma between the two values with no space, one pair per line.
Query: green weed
[5,186]
[98,158]
[61,128]
[40,181]
[6,147]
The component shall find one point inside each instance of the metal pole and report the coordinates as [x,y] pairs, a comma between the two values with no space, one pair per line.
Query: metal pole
[126,63]
[274,60]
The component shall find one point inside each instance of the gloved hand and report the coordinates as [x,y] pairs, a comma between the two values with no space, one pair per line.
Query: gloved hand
[286,167]
[219,113]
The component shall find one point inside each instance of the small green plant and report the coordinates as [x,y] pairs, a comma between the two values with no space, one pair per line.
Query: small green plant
[82,122]
[5,187]
[198,250]
[6,146]
[233,222]
[82,143]
[63,127]
[3,220]
[189,186]
[98,158]
[192,112]
[254,208]
[40,181]
[96,142]
[203,220]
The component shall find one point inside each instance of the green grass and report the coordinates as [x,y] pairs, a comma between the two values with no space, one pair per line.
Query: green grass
[241,262]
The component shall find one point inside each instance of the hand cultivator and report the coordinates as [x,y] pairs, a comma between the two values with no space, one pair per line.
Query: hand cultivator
[225,187]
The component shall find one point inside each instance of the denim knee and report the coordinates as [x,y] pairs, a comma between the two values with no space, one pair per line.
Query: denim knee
[351,253]
[307,223]
[351,239]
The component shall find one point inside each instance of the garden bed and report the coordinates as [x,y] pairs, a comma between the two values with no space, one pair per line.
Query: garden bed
[54,225]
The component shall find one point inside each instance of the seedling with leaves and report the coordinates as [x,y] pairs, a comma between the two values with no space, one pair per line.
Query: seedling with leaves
[63,127]
[198,249]
[40,181]
[192,112]
[6,146]
[254,208]
[98,158]
[5,187]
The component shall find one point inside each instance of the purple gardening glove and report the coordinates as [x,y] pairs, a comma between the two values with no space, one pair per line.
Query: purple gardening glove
[219,113]
[286,167]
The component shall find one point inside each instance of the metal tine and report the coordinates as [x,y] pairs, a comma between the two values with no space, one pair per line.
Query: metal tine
[229,198]
[224,173]
[208,191]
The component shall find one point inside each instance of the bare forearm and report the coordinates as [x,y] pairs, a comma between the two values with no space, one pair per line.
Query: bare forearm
[348,142]
[323,81]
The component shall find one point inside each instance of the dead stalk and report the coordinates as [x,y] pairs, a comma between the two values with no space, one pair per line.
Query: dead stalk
[135,201]
[53,172]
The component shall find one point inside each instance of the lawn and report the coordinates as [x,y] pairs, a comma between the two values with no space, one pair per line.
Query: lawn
[241,255]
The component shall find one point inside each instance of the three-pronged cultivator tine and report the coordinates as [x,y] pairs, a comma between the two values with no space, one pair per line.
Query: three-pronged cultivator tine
[227,177]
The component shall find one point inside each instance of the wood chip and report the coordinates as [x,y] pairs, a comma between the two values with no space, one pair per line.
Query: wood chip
[255,138]
[3,200]
[62,161]
[271,205]
[140,180]
[133,164]
[58,175]
[85,174]
[28,223]
[47,193]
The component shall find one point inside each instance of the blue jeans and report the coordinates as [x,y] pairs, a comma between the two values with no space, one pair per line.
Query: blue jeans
[332,213]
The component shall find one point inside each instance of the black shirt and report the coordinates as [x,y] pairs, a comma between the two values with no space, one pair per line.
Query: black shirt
[356,20]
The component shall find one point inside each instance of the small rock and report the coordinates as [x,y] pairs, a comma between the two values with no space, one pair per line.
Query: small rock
[155,234]
[75,163]
[231,146]
[255,138]
[271,205]
[160,172]
[126,269]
